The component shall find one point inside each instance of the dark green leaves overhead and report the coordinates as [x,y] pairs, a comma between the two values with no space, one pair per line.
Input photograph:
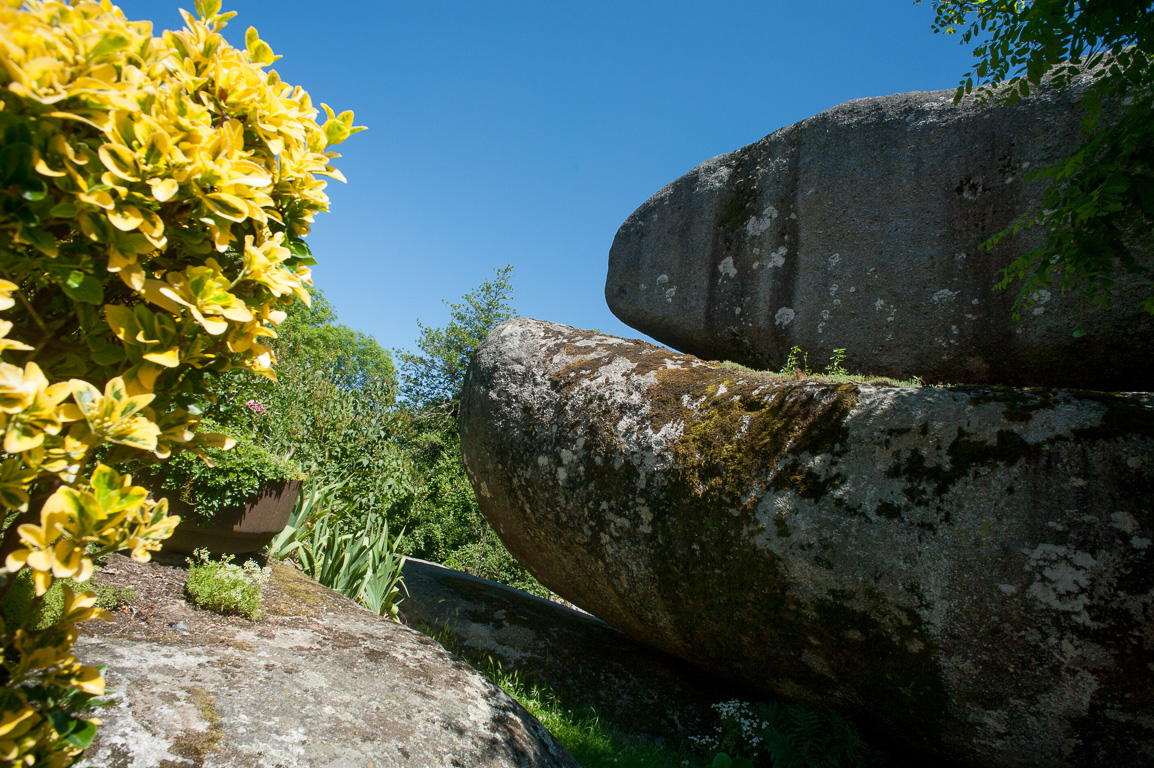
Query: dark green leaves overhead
[1098,212]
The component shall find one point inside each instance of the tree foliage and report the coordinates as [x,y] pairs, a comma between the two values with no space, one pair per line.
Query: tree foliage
[155,192]
[1099,205]
[331,408]
[442,520]
[431,381]
[355,358]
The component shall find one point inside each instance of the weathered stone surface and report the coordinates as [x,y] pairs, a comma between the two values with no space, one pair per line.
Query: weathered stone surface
[859,229]
[968,569]
[317,683]
[583,660]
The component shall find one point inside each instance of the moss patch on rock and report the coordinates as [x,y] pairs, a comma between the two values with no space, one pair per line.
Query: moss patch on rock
[292,593]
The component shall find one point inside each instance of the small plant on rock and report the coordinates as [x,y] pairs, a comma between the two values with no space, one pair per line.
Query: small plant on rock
[225,587]
[797,363]
[835,367]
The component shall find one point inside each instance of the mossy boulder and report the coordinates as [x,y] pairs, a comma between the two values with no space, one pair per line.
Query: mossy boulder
[967,570]
[861,228]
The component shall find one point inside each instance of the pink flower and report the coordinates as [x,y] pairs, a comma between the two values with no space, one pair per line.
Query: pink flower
[256,407]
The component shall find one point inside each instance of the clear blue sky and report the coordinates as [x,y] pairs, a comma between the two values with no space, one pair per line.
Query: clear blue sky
[524,132]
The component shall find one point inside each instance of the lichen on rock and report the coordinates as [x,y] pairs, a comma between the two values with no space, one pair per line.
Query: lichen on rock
[332,684]
[946,564]
[862,228]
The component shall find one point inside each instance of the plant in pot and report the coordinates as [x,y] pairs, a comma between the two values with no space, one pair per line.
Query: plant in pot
[235,502]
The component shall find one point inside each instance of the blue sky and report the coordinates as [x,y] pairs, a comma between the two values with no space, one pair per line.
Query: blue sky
[524,132]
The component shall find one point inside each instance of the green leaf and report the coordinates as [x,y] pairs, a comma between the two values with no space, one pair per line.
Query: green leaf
[15,162]
[41,240]
[335,131]
[110,43]
[63,210]
[1143,187]
[299,248]
[83,288]
[77,732]
[35,191]
[104,353]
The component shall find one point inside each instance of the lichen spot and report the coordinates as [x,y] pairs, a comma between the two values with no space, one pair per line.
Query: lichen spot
[784,316]
[758,224]
[1038,298]
[646,519]
[726,267]
[944,295]
[1062,577]
[1124,522]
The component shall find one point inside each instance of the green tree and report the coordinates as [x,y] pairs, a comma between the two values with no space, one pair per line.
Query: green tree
[431,381]
[331,408]
[354,359]
[1099,206]
[444,522]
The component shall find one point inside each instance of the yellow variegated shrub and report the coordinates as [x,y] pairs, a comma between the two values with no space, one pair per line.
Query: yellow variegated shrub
[153,196]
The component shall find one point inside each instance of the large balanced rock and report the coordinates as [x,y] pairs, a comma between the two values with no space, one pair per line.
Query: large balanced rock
[860,229]
[318,682]
[970,569]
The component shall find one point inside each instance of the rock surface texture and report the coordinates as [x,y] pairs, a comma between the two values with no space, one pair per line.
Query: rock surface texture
[860,229]
[318,682]
[969,570]
[583,661]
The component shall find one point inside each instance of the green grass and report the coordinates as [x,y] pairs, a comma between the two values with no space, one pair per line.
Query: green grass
[796,366]
[747,735]
[581,732]
[591,742]
[833,378]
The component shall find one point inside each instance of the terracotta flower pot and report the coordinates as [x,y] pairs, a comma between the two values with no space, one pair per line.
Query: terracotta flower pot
[234,530]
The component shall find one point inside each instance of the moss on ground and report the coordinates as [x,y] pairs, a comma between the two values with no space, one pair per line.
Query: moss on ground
[198,745]
[293,593]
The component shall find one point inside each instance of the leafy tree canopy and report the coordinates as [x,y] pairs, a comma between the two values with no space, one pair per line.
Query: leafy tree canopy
[1100,202]
[432,381]
[354,358]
